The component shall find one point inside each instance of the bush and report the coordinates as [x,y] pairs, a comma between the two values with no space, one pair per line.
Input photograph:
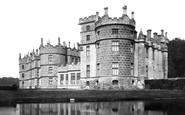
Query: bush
[165,84]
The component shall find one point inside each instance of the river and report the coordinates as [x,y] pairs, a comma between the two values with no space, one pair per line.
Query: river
[152,107]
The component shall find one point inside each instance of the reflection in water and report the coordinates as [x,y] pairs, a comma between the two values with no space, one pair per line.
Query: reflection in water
[98,108]
[93,108]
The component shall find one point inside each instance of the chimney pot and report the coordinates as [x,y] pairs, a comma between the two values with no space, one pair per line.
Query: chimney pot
[36,51]
[166,34]
[132,15]
[162,32]
[58,40]
[19,55]
[155,35]
[41,41]
[69,45]
[149,33]
[106,11]
[125,10]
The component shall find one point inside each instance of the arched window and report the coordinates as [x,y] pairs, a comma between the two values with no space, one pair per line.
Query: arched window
[115,82]
[87,83]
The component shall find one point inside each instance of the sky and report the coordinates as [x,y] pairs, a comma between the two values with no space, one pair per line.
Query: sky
[24,22]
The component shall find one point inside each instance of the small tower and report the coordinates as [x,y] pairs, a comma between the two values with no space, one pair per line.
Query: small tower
[50,58]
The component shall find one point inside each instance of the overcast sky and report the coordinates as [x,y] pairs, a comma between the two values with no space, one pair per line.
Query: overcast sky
[24,22]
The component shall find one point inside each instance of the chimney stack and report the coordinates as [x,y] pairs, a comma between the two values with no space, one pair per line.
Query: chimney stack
[155,35]
[78,45]
[37,51]
[125,10]
[41,42]
[166,35]
[132,15]
[58,40]
[97,15]
[162,32]
[149,33]
[64,44]
[106,11]
[19,55]
[69,44]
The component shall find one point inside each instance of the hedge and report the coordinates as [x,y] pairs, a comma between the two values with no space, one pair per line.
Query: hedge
[170,84]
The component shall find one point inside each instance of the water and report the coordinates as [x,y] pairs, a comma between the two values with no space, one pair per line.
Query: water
[155,107]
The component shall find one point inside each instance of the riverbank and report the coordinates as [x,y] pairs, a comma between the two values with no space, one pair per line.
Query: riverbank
[39,96]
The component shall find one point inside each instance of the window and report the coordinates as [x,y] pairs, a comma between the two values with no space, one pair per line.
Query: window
[115,46]
[50,81]
[146,71]
[37,72]
[78,78]
[88,70]
[76,60]
[87,51]
[98,33]
[87,37]
[22,66]
[36,63]
[22,75]
[50,70]
[72,59]
[98,45]
[50,57]
[72,78]
[115,68]
[115,82]
[88,28]
[62,79]
[114,31]
[146,52]
[67,79]
[153,54]
[98,68]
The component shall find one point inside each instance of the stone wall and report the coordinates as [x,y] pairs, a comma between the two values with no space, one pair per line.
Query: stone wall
[124,57]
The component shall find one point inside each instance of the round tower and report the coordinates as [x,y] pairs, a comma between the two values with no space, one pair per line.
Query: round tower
[50,58]
[115,49]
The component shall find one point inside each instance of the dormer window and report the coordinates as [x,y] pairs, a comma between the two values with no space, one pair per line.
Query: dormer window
[88,28]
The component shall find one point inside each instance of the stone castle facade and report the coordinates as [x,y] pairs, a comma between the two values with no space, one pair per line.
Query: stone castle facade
[110,56]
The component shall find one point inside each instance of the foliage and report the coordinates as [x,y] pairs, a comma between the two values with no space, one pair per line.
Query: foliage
[176,58]
[5,81]
[170,84]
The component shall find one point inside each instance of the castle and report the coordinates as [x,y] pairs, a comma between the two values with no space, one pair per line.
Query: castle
[110,56]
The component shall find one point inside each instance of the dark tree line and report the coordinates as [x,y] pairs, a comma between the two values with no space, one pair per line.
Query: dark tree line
[9,81]
[176,58]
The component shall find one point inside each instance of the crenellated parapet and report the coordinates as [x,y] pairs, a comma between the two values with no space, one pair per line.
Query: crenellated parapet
[91,18]
[51,49]
[106,20]
[73,52]
[29,57]
[69,67]
[122,20]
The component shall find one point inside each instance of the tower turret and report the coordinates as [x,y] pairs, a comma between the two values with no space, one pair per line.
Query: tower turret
[50,58]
